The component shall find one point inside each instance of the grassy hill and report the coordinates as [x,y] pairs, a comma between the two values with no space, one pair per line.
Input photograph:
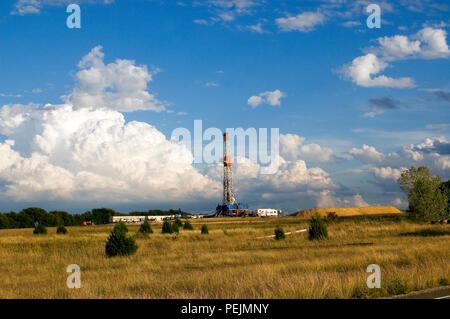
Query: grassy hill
[350,211]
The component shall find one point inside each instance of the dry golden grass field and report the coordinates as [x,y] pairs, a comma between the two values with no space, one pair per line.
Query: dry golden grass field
[351,211]
[230,262]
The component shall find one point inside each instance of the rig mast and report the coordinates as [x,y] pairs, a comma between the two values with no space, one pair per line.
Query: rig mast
[228,193]
[230,207]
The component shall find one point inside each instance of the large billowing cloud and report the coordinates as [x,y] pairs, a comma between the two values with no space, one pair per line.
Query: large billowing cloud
[60,152]
[432,152]
[120,85]
[291,146]
[294,185]
[428,43]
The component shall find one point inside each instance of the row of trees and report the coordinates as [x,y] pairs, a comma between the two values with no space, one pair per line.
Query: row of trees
[428,196]
[29,217]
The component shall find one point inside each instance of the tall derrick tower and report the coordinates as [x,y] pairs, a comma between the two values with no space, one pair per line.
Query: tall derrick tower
[228,193]
[229,207]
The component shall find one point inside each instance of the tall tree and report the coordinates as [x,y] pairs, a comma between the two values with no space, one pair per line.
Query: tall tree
[445,189]
[426,200]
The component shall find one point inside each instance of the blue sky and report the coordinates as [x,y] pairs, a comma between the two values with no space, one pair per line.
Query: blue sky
[208,58]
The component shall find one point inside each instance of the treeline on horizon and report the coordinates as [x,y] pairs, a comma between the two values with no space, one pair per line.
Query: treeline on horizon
[29,217]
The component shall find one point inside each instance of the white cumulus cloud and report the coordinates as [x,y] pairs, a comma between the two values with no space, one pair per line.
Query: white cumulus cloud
[367,154]
[291,146]
[327,199]
[388,172]
[120,86]
[302,22]
[428,43]
[272,98]
[363,71]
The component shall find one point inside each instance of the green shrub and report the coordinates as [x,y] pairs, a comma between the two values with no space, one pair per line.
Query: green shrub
[205,230]
[175,228]
[119,244]
[317,228]
[40,230]
[188,225]
[332,217]
[359,292]
[397,286]
[120,227]
[167,228]
[443,281]
[146,228]
[279,233]
[178,222]
[61,230]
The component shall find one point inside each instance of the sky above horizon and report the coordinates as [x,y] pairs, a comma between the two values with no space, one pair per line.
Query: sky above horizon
[86,115]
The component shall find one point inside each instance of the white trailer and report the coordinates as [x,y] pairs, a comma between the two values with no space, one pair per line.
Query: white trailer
[139,219]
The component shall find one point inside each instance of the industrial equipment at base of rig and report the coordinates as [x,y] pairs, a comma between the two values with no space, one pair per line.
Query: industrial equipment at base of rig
[229,207]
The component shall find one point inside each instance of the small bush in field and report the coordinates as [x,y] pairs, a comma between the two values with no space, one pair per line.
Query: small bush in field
[397,286]
[61,230]
[175,228]
[145,228]
[279,233]
[443,281]
[360,292]
[167,228]
[317,228]
[40,230]
[119,244]
[188,225]
[178,222]
[120,227]
[332,217]
[205,230]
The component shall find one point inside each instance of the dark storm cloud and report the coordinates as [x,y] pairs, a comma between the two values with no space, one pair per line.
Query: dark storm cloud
[440,147]
[384,103]
[443,95]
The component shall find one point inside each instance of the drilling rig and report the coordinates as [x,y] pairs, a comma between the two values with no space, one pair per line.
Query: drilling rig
[228,193]
[229,206]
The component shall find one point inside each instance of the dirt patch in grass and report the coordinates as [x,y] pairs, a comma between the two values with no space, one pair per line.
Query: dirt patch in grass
[427,233]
